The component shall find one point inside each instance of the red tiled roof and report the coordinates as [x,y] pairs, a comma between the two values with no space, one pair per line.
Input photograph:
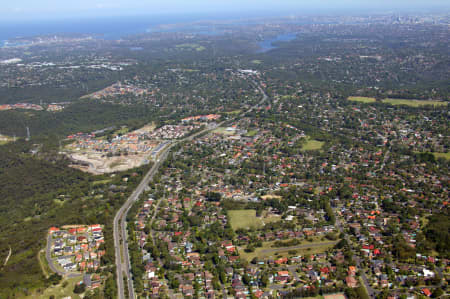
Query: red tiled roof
[427,292]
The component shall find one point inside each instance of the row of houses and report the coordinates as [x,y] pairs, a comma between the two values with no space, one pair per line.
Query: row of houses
[25,106]
[77,247]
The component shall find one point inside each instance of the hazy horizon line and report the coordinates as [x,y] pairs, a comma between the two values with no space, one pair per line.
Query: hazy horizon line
[228,15]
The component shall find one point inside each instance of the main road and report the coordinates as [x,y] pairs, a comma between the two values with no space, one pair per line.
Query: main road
[123,265]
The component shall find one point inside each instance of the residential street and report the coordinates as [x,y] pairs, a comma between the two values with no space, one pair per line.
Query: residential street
[237,153]
[120,236]
[51,264]
[369,289]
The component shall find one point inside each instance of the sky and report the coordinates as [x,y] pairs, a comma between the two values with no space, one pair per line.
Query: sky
[23,10]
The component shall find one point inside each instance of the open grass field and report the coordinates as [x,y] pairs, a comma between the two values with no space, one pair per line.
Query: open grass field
[270,218]
[289,97]
[102,182]
[234,112]
[362,99]
[247,219]
[304,248]
[442,155]
[190,70]
[62,290]
[244,219]
[5,139]
[251,133]
[196,47]
[58,201]
[224,131]
[269,196]
[312,240]
[413,103]
[122,130]
[312,145]
[439,155]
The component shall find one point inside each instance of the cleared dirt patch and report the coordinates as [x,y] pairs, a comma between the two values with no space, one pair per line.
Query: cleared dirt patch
[132,151]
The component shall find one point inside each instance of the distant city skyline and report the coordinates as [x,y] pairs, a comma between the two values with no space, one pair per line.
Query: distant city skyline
[29,10]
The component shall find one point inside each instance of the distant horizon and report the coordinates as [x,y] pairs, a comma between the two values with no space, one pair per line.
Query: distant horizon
[14,13]
[113,27]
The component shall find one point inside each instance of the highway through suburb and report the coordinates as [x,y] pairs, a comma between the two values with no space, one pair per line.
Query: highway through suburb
[123,265]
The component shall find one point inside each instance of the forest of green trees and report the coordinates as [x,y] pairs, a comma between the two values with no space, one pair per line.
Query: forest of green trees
[40,192]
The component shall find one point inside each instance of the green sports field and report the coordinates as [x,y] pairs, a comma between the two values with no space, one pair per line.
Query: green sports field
[312,145]
[362,99]
[414,103]
[244,219]
[442,155]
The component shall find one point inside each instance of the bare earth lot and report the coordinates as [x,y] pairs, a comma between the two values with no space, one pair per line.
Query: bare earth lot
[99,163]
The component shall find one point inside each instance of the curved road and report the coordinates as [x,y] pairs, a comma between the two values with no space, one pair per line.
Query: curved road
[48,256]
[123,265]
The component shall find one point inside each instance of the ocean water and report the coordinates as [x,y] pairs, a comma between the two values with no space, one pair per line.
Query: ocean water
[114,27]
[108,28]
